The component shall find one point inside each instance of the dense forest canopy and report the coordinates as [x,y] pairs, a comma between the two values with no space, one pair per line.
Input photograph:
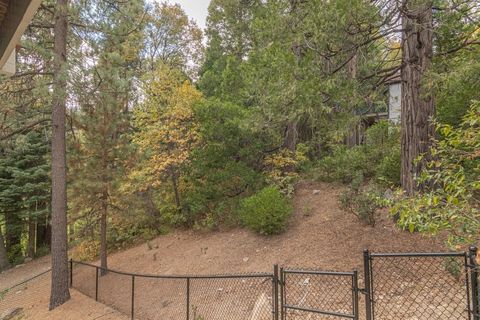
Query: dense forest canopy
[168,125]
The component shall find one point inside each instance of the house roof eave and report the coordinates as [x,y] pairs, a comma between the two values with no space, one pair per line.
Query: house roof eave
[15,21]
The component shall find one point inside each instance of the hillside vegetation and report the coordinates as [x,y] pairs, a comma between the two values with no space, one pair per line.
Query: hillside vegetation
[199,142]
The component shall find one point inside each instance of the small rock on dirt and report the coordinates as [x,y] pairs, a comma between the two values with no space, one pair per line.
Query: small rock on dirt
[316,192]
[12,314]
[388,194]
[246,259]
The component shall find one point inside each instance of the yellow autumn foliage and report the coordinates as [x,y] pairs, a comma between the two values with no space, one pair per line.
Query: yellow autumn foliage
[280,170]
[168,130]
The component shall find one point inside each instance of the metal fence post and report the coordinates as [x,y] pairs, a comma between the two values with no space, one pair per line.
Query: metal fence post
[188,298]
[474,282]
[355,294]
[368,289]
[275,292]
[283,310]
[71,273]
[96,284]
[133,297]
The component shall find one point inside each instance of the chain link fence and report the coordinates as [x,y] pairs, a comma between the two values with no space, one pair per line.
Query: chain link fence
[416,286]
[423,286]
[308,294]
[17,299]
[151,297]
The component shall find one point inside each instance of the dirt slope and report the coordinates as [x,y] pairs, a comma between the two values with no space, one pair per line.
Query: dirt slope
[321,235]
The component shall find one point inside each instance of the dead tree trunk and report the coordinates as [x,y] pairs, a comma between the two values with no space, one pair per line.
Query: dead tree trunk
[59,289]
[4,264]
[417,105]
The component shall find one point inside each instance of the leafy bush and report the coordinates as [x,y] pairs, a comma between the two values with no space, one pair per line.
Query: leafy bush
[280,169]
[452,202]
[343,164]
[362,202]
[266,212]
[388,170]
[87,250]
[42,250]
[15,255]
[378,158]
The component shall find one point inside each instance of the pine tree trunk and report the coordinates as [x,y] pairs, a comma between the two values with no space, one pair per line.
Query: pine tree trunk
[31,238]
[103,234]
[417,105]
[4,264]
[60,273]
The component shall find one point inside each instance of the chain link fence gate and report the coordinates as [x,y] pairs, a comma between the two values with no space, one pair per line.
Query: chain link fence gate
[307,294]
[420,286]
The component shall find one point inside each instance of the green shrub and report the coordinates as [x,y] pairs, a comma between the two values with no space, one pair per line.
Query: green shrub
[343,164]
[42,250]
[362,201]
[266,212]
[451,203]
[280,169]
[388,171]
[378,158]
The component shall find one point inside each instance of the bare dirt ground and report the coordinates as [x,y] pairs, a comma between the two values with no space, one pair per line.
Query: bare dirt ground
[23,272]
[320,236]
[33,298]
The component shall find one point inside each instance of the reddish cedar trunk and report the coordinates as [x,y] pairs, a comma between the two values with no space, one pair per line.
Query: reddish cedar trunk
[59,289]
[103,234]
[417,105]
[31,238]
[4,264]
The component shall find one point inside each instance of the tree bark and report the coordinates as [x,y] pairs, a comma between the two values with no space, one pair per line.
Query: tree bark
[60,274]
[103,234]
[4,264]
[31,238]
[291,136]
[417,105]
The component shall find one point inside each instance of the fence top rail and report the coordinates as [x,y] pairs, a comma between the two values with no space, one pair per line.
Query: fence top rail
[321,273]
[184,277]
[418,254]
